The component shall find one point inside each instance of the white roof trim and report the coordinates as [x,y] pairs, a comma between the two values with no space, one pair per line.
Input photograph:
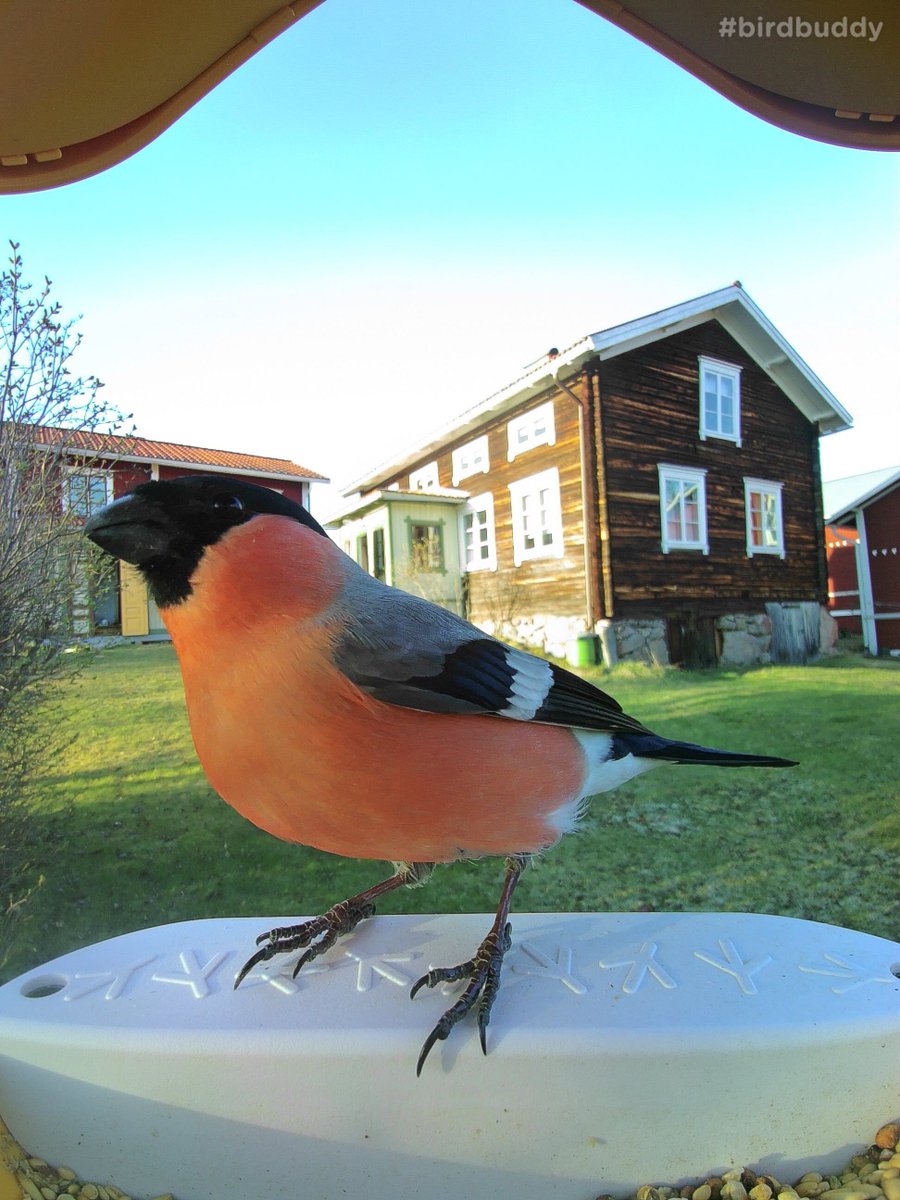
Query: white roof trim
[731,306]
[361,504]
[883,481]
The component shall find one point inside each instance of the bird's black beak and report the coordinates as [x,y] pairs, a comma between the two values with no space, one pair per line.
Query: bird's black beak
[132,528]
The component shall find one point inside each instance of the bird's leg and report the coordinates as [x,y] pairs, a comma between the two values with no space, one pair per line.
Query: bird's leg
[319,934]
[482,970]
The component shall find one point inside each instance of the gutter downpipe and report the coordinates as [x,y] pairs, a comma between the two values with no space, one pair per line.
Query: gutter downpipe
[588,509]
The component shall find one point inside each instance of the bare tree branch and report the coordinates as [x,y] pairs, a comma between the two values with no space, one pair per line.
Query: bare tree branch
[44,407]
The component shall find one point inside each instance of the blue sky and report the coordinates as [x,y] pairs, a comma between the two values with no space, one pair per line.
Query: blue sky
[395,206]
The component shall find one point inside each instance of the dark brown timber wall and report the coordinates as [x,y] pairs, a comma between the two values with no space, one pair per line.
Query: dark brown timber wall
[548,586]
[649,405]
[647,411]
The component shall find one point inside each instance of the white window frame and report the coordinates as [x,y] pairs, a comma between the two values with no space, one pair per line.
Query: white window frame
[771,488]
[426,479]
[714,366]
[670,473]
[95,472]
[534,484]
[483,503]
[527,423]
[470,459]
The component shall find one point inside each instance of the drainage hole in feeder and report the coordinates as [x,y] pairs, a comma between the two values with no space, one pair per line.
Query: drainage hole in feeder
[43,985]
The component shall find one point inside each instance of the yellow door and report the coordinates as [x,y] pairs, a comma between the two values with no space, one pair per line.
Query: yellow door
[134,601]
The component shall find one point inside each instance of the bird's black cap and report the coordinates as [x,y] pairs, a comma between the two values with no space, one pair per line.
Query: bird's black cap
[163,527]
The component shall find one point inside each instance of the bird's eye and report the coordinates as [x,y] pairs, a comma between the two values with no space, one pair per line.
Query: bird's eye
[227,505]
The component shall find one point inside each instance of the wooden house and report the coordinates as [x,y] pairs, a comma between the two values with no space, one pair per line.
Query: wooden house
[862,544]
[98,467]
[655,485]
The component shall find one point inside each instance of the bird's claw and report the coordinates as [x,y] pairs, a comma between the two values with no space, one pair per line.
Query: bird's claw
[340,919]
[319,934]
[442,975]
[483,972]
[261,955]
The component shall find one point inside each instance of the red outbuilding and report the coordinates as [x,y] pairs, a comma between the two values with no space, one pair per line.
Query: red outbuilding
[98,467]
[862,544]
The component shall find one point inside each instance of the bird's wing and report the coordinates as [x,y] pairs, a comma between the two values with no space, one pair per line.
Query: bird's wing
[413,654]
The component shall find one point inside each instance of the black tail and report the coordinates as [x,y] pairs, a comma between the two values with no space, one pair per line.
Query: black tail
[649,745]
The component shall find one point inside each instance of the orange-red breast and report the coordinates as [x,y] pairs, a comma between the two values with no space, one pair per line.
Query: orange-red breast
[335,711]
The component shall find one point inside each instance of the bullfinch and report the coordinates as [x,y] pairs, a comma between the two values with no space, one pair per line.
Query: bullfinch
[333,710]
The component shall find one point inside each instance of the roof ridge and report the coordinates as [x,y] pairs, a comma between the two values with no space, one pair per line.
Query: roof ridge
[720,304]
[861,474]
[142,437]
[138,446]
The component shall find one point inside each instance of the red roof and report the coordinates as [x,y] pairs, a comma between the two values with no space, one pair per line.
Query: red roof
[139,449]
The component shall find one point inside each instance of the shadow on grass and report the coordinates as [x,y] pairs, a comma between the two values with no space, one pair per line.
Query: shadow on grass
[128,833]
[688,840]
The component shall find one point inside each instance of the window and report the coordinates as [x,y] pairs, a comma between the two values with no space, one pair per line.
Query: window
[367,549]
[765,529]
[426,546]
[535,428]
[379,563]
[536,517]
[425,479]
[470,459]
[682,506]
[720,400]
[86,491]
[479,550]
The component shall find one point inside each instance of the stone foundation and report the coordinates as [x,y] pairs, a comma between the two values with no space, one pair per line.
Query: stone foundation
[828,632]
[637,641]
[745,639]
[540,631]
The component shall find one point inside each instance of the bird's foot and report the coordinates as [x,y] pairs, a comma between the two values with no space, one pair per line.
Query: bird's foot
[316,935]
[483,973]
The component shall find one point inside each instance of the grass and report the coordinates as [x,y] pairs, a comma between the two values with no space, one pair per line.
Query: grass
[129,834]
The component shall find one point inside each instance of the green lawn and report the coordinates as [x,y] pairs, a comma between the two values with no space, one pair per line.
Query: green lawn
[129,833]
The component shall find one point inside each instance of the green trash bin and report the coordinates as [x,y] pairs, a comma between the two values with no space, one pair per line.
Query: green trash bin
[583,650]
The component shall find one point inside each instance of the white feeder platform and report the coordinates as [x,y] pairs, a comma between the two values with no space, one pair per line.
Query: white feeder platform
[623,1049]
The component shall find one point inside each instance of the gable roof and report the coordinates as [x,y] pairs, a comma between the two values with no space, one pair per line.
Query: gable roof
[841,497]
[174,454]
[360,505]
[730,306]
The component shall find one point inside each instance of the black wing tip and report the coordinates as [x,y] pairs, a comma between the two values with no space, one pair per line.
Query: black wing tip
[756,760]
[724,758]
[687,753]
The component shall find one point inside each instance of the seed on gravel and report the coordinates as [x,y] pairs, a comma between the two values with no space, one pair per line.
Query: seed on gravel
[29,1187]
